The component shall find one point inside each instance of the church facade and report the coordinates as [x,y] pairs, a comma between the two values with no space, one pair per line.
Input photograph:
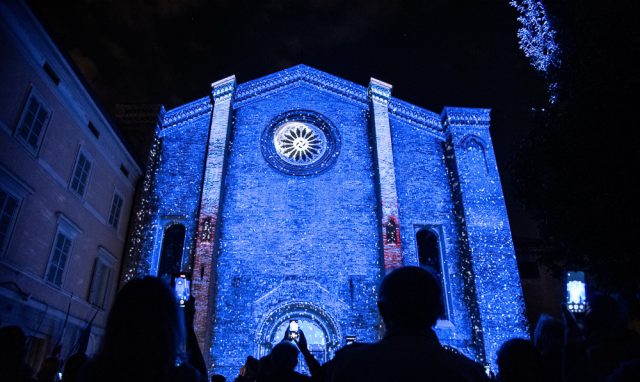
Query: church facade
[289,197]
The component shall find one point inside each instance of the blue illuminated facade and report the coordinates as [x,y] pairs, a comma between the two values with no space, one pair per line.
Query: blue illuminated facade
[299,190]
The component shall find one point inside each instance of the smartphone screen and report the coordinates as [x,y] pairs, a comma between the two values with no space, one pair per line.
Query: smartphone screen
[293,329]
[182,287]
[576,292]
[488,372]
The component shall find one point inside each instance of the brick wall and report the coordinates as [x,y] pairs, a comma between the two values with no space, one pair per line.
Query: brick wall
[280,231]
[275,246]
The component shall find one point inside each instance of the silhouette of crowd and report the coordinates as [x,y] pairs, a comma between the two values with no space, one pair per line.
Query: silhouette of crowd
[149,338]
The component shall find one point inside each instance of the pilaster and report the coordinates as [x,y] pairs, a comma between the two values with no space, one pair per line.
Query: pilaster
[204,275]
[379,96]
[485,233]
[139,256]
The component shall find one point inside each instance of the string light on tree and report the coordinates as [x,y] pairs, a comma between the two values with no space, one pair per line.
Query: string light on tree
[537,39]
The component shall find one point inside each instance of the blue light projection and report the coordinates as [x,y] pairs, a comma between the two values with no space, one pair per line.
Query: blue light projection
[300,236]
[300,142]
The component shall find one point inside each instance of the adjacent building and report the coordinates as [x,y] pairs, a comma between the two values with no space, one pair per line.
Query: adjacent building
[67,183]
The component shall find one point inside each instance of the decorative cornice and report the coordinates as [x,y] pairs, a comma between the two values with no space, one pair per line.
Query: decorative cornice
[464,116]
[261,87]
[379,91]
[187,112]
[249,91]
[415,115]
[67,225]
[220,91]
[223,89]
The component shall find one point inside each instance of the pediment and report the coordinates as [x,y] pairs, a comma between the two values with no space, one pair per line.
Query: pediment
[296,76]
[303,75]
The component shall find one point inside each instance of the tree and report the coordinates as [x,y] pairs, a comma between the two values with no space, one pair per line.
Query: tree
[578,171]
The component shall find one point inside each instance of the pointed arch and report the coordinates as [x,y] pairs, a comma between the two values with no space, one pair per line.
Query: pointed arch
[172,249]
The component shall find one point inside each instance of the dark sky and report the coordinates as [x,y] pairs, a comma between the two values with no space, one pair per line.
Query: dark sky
[434,53]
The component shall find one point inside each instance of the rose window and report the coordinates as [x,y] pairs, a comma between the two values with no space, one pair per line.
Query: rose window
[299,143]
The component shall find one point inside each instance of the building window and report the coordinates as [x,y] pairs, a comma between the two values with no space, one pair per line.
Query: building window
[429,256]
[61,249]
[51,73]
[300,142]
[101,279]
[124,171]
[94,130]
[297,142]
[392,232]
[80,174]
[8,212]
[116,208]
[172,246]
[12,192]
[33,122]
[59,256]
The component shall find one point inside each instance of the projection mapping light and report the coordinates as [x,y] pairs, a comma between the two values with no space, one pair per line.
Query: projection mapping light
[300,142]
[297,142]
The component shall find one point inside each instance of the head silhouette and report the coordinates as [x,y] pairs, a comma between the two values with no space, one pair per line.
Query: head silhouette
[410,297]
[519,361]
[72,367]
[549,335]
[605,314]
[12,347]
[284,357]
[143,332]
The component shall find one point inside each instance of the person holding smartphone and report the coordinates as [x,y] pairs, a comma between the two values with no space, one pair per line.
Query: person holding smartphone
[280,364]
[296,335]
[144,338]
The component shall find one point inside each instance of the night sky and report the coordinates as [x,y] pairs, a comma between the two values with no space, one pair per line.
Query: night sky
[435,53]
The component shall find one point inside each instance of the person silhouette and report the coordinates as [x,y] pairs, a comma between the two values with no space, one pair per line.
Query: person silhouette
[519,361]
[281,363]
[72,367]
[410,302]
[144,332]
[549,340]
[13,350]
[603,346]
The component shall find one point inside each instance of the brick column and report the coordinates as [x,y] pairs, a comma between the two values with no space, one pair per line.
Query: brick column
[203,287]
[379,95]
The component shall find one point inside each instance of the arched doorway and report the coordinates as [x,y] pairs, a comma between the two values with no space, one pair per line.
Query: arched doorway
[322,332]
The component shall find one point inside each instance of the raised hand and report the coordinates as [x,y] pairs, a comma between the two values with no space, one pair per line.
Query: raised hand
[301,341]
[286,335]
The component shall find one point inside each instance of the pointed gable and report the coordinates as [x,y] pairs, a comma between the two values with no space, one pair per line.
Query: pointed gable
[298,75]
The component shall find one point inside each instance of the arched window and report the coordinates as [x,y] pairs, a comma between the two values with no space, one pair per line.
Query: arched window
[392,232]
[429,256]
[476,156]
[428,250]
[172,246]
